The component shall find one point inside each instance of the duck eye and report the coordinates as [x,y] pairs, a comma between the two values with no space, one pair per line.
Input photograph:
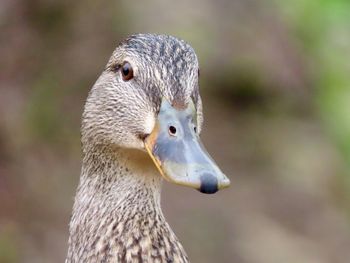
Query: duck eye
[195,129]
[127,71]
[172,130]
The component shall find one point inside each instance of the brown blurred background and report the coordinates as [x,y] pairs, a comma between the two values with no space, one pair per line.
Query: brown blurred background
[275,81]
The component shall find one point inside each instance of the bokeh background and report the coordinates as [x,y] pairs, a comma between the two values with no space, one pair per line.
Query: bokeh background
[275,81]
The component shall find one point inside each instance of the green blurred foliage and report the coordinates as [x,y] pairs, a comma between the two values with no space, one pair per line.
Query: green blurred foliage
[8,245]
[323,26]
[43,114]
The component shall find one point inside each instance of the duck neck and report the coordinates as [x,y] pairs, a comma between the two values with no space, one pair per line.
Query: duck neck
[120,175]
[118,202]
[123,182]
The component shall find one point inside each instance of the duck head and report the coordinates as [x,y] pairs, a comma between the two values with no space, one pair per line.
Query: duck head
[148,98]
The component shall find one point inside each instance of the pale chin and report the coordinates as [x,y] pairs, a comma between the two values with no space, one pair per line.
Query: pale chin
[149,122]
[134,143]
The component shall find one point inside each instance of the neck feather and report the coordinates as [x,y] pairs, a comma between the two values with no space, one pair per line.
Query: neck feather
[117,213]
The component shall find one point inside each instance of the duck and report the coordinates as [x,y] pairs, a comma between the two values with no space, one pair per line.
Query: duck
[141,124]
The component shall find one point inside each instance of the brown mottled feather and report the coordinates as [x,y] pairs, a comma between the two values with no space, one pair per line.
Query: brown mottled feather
[117,215]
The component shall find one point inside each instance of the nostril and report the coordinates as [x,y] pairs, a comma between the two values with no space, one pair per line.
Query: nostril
[172,130]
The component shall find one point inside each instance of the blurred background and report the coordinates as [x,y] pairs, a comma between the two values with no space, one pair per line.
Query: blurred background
[275,82]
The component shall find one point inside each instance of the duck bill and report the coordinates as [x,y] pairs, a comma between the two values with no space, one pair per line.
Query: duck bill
[178,153]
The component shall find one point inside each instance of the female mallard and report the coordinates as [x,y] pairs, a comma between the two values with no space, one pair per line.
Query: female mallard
[145,101]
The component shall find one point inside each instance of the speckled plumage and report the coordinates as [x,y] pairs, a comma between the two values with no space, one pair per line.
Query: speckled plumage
[117,215]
